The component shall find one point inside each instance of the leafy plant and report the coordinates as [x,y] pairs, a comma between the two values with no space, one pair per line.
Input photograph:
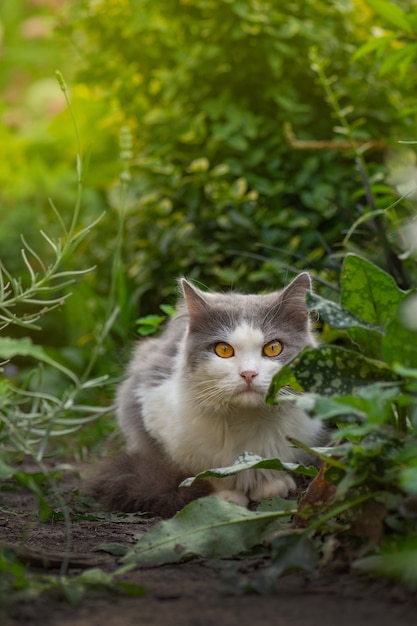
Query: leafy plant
[150,324]
[218,190]
[368,476]
[29,417]
[32,411]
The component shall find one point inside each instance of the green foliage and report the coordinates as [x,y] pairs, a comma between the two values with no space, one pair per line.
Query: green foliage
[217,190]
[396,46]
[217,108]
[208,527]
[17,585]
[377,339]
[248,460]
[368,389]
[150,324]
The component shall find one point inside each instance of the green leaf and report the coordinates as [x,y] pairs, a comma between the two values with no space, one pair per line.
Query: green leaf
[399,562]
[10,348]
[330,370]
[208,527]
[249,460]
[336,315]
[372,295]
[290,551]
[116,549]
[399,346]
[6,471]
[408,479]
[371,403]
[393,14]
[379,44]
[130,589]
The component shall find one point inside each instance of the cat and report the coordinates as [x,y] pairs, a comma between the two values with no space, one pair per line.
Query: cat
[194,398]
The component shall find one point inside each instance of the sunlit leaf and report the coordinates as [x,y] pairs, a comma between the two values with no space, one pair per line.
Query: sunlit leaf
[393,14]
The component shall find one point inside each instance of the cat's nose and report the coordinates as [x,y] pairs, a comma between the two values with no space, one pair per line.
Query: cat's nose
[248,375]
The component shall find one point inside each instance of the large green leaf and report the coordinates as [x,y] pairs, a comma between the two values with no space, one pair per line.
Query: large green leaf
[371,294]
[330,370]
[399,346]
[393,14]
[336,315]
[371,404]
[10,348]
[249,460]
[208,527]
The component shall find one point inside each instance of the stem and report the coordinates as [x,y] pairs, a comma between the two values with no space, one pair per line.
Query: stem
[79,157]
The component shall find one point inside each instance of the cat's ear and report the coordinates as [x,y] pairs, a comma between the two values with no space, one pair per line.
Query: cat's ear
[296,290]
[292,299]
[194,298]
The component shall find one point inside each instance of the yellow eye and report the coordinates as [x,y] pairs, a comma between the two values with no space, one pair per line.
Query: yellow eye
[224,350]
[272,348]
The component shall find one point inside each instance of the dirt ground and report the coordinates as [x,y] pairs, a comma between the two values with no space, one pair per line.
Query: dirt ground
[197,593]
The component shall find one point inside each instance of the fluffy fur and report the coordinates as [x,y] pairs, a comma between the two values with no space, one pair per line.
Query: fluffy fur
[183,409]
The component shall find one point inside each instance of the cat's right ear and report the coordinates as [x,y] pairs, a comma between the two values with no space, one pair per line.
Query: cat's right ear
[194,298]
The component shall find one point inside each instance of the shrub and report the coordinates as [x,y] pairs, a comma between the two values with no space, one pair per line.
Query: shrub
[219,192]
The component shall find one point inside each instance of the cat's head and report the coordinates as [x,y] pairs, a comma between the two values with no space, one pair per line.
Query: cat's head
[235,343]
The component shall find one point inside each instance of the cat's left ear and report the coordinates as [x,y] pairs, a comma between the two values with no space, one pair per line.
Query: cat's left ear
[293,297]
[298,287]
[194,298]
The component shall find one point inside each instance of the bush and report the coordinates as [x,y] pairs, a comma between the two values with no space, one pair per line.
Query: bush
[218,192]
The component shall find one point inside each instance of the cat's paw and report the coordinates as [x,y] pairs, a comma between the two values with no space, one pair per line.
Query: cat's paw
[277,487]
[229,495]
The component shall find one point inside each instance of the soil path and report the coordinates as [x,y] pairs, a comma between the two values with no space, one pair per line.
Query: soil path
[197,593]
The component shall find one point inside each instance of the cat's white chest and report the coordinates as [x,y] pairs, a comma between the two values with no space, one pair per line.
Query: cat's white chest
[198,441]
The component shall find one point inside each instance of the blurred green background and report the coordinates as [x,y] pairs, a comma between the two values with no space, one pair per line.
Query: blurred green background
[231,114]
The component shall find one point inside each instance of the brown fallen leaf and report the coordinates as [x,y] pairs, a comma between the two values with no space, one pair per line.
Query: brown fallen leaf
[319,496]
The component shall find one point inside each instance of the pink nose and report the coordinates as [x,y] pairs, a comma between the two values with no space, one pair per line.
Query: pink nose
[248,376]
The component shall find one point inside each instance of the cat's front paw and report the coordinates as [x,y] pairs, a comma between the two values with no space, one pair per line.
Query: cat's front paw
[277,487]
[230,495]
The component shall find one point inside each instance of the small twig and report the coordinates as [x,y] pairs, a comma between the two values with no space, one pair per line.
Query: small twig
[53,560]
[330,144]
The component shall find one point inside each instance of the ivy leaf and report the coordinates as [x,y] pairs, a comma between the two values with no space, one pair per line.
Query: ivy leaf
[249,460]
[208,527]
[330,370]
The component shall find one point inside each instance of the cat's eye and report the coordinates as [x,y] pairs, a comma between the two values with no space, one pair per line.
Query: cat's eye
[272,348]
[224,350]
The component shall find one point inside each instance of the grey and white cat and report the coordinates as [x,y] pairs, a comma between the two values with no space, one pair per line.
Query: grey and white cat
[194,398]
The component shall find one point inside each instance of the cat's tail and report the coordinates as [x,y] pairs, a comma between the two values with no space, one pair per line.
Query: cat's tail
[132,482]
